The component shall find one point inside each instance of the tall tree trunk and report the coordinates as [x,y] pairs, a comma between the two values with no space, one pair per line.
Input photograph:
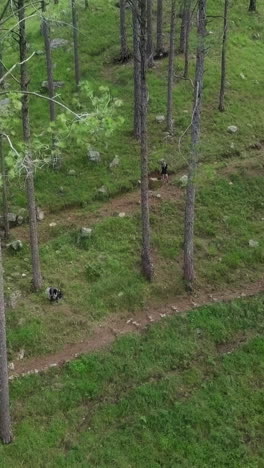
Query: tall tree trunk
[160,47]
[171,67]
[223,62]
[124,53]
[183,27]
[5,423]
[252,5]
[46,35]
[149,35]
[187,38]
[189,274]
[75,42]
[147,266]
[3,169]
[137,84]
[24,79]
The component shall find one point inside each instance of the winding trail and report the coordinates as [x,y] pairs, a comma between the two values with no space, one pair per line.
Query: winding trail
[108,331]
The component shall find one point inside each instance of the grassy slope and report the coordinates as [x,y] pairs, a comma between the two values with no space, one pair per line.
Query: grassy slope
[227,215]
[186,393]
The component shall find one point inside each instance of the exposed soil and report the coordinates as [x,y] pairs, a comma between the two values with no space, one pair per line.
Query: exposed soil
[113,327]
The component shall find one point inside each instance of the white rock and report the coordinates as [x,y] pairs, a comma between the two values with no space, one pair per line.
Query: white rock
[252,243]
[11,366]
[232,129]
[94,156]
[52,224]
[184,180]
[85,232]
[242,76]
[115,162]
[160,118]
[122,215]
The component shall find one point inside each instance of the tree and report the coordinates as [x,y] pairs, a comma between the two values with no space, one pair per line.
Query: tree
[223,61]
[252,5]
[24,80]
[147,266]
[46,35]
[183,26]
[186,38]
[3,169]
[171,67]
[189,273]
[159,48]
[124,52]
[5,423]
[137,59]
[75,43]
[150,56]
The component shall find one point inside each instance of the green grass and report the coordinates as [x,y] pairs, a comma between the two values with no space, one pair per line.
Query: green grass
[186,393]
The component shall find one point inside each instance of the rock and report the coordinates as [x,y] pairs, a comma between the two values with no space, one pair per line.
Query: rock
[20,355]
[158,195]
[58,43]
[232,129]
[16,245]
[72,172]
[242,76]
[20,220]
[52,224]
[40,214]
[13,298]
[252,243]
[102,190]
[255,146]
[94,156]
[11,366]
[122,215]
[114,163]
[57,84]
[61,189]
[160,118]
[154,183]
[256,36]
[183,181]
[39,52]
[85,233]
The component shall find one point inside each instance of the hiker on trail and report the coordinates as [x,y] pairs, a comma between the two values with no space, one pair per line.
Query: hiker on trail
[164,171]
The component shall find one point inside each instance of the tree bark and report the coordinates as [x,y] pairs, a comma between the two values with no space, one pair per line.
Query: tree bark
[252,5]
[189,273]
[187,38]
[46,35]
[24,81]
[124,53]
[160,47]
[147,266]
[150,54]
[75,42]
[137,84]
[223,61]
[171,67]
[3,169]
[5,423]
[183,26]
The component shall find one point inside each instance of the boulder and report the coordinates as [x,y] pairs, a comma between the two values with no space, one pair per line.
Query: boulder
[183,181]
[122,215]
[85,233]
[16,245]
[232,129]
[94,156]
[72,172]
[160,118]
[57,84]
[154,183]
[114,163]
[58,43]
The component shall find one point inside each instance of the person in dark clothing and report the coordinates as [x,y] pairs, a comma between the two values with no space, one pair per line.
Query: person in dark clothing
[164,171]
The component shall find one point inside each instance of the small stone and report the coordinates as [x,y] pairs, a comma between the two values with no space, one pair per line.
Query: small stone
[232,129]
[94,156]
[11,366]
[242,76]
[57,43]
[40,214]
[85,233]
[102,190]
[39,52]
[121,215]
[114,163]
[72,172]
[256,36]
[183,181]
[20,355]
[24,275]
[160,118]
[61,189]
[121,294]
[174,309]
[56,84]
[52,224]
[158,195]
[252,243]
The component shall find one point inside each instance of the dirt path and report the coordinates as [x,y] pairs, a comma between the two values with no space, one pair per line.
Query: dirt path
[74,218]
[109,330]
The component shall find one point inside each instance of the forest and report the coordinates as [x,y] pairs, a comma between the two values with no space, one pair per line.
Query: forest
[131,233]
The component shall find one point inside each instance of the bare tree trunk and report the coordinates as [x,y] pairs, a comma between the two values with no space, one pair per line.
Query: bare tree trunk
[160,47]
[183,26]
[171,67]
[3,169]
[147,266]
[187,38]
[46,35]
[124,52]
[223,63]
[150,53]
[189,273]
[137,84]
[37,279]
[252,5]
[75,43]
[5,423]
